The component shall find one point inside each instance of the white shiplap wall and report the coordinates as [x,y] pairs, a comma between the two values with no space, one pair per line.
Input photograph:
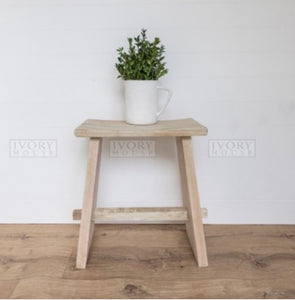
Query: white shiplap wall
[232,67]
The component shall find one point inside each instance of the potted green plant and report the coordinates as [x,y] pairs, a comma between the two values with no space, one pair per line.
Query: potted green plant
[140,68]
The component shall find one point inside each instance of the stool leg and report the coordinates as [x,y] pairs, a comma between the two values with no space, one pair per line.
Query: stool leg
[89,202]
[194,225]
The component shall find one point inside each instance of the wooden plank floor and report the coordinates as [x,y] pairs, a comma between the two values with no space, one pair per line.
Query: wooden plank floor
[147,261]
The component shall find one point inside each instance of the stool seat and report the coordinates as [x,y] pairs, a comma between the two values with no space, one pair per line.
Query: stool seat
[108,128]
[191,214]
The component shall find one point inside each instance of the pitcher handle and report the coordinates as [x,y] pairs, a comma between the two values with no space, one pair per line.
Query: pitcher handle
[167,100]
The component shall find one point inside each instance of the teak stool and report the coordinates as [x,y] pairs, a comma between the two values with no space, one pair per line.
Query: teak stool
[191,214]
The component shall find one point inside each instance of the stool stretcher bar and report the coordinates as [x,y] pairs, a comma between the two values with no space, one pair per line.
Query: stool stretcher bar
[140,215]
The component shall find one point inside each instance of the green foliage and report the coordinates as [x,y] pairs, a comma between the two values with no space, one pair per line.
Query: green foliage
[143,61]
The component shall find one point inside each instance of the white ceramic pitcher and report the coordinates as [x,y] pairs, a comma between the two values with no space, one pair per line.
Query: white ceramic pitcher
[141,101]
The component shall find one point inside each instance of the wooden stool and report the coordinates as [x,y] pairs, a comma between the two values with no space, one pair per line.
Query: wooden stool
[191,214]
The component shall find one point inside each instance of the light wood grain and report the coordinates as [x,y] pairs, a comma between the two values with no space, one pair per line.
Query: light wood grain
[7,287]
[147,261]
[172,128]
[139,215]
[90,194]
[194,225]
